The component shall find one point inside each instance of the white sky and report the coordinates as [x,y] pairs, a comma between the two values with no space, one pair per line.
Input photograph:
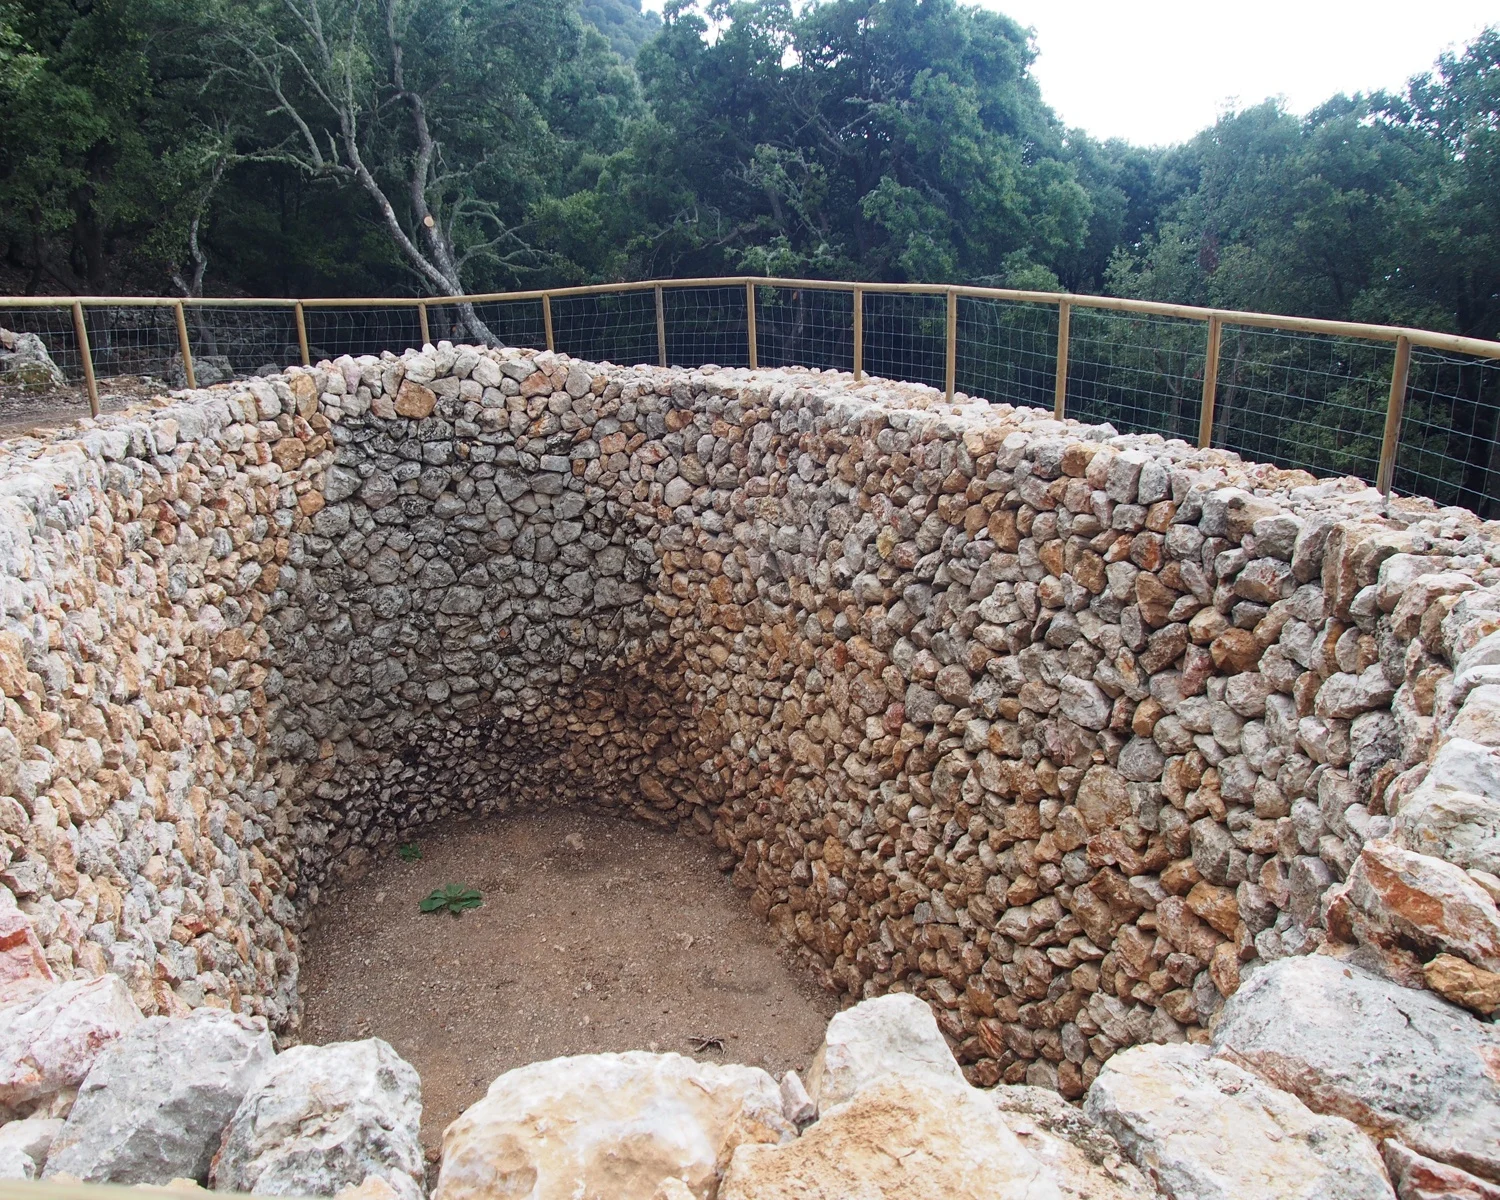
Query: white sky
[1157,71]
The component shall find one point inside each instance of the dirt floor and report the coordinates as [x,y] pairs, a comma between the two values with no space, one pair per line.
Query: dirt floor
[634,941]
[23,410]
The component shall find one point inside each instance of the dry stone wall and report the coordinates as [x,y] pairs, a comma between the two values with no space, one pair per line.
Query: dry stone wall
[1067,732]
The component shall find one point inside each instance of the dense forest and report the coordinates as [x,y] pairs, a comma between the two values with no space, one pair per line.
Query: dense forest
[430,146]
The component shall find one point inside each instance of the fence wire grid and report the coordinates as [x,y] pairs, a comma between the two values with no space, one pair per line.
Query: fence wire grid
[1310,400]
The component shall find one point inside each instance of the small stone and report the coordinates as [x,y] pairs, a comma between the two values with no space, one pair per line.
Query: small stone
[796,1104]
[24,971]
[1463,983]
[415,401]
[1394,898]
[1420,1178]
[24,1146]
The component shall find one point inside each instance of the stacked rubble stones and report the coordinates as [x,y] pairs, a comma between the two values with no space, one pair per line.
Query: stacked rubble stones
[1064,731]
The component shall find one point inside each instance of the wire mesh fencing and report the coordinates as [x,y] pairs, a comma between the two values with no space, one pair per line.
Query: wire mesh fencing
[1007,351]
[239,340]
[333,331]
[906,336]
[54,325]
[1303,400]
[1140,372]
[617,327]
[805,327]
[1302,396]
[1450,431]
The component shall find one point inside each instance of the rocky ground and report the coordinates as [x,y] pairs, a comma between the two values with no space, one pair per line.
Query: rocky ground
[595,934]
[1322,1082]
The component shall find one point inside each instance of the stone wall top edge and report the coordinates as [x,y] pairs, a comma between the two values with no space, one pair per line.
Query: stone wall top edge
[36,470]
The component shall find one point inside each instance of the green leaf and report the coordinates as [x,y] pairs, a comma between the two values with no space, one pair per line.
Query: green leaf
[454,897]
[409,852]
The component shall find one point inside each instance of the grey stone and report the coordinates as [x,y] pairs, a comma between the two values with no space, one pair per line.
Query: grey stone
[1395,1061]
[321,1119]
[1203,1128]
[24,1146]
[155,1105]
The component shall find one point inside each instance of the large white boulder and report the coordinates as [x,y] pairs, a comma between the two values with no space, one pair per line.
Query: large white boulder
[874,1040]
[1202,1127]
[608,1125]
[324,1118]
[1395,1061]
[155,1105]
[900,1138]
[50,1042]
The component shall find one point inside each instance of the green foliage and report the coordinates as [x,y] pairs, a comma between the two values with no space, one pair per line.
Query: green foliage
[151,142]
[452,898]
[409,851]
[622,22]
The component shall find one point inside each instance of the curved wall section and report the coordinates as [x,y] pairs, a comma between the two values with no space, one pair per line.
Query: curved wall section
[1063,730]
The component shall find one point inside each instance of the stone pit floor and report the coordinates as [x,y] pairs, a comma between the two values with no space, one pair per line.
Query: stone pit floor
[634,942]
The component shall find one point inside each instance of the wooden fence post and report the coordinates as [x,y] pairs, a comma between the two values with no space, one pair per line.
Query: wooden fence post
[661,327]
[752,339]
[188,373]
[1386,475]
[301,318]
[859,334]
[1210,382]
[422,317]
[547,320]
[1064,337]
[81,332]
[952,339]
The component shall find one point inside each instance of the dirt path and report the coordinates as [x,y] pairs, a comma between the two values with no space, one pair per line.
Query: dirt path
[22,411]
[634,942]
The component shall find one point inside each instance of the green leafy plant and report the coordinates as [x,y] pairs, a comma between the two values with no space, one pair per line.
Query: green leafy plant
[453,898]
[409,851]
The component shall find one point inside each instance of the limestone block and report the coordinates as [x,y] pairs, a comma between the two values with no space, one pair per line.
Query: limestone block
[1455,812]
[321,1119]
[24,971]
[24,1146]
[1202,1127]
[1419,1178]
[1397,1062]
[902,1138]
[615,1125]
[155,1105]
[890,1035]
[1394,898]
[51,1041]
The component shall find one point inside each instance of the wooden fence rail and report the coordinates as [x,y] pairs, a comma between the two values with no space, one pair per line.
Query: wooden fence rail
[1066,305]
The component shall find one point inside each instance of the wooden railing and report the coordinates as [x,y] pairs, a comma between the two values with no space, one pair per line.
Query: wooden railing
[1458,353]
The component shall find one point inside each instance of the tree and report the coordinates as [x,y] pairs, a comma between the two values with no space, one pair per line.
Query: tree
[887,139]
[434,109]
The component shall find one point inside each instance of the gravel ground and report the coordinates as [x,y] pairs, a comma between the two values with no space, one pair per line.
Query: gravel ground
[23,410]
[595,934]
